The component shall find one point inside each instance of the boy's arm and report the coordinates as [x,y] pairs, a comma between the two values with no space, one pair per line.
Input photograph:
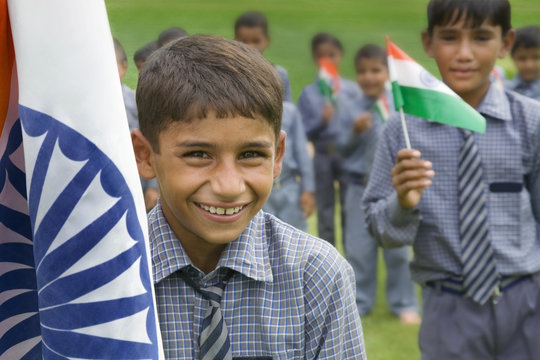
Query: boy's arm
[395,186]
[349,139]
[333,327]
[305,165]
[311,115]
[287,95]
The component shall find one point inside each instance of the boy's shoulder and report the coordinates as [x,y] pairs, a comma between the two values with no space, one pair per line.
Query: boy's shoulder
[295,252]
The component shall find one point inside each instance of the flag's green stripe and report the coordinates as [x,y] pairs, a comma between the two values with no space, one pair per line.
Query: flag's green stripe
[441,108]
[396,92]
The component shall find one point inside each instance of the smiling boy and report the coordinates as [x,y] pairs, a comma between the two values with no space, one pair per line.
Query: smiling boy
[468,203]
[230,280]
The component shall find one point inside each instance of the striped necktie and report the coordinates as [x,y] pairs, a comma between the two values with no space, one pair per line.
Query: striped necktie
[214,343]
[480,277]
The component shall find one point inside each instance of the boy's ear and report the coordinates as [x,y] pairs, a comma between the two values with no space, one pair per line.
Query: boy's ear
[144,155]
[426,42]
[280,151]
[508,42]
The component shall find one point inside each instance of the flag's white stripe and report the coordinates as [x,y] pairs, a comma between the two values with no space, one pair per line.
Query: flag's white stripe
[128,282]
[70,99]
[116,329]
[108,248]
[410,73]
[53,183]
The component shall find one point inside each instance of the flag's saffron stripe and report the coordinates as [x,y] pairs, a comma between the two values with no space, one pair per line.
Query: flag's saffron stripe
[396,52]
[439,107]
[7,58]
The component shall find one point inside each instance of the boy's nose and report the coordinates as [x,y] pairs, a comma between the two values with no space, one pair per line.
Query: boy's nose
[227,180]
[464,52]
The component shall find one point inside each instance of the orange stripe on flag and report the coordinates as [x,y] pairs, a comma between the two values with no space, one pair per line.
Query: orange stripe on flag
[395,52]
[7,58]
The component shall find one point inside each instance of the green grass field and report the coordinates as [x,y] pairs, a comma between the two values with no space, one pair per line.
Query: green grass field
[292,24]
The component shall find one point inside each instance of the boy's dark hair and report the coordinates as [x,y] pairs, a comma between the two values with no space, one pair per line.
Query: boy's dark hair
[527,37]
[252,19]
[325,38]
[171,34]
[449,12]
[144,52]
[203,74]
[371,51]
[119,51]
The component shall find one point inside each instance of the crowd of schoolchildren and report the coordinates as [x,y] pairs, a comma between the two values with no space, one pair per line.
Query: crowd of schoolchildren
[271,280]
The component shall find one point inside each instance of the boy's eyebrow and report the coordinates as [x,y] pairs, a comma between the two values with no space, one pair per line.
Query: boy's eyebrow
[202,144]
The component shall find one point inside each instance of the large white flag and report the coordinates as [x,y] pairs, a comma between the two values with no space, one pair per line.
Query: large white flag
[75,278]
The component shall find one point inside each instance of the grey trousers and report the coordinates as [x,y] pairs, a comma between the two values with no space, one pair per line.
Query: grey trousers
[328,169]
[284,203]
[362,253]
[455,327]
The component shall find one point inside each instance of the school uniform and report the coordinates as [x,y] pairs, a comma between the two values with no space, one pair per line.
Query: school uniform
[284,76]
[296,173]
[358,151]
[454,326]
[327,159]
[530,89]
[289,294]
[131,107]
[133,122]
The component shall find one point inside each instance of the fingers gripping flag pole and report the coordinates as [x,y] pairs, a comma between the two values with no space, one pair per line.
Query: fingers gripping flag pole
[417,92]
[75,275]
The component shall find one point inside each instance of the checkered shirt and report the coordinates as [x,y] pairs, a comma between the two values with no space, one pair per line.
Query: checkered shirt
[291,295]
[510,153]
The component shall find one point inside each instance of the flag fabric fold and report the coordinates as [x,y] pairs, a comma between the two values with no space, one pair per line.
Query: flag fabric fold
[75,275]
[421,94]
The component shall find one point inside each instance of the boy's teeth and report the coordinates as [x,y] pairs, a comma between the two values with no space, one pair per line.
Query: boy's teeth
[221,211]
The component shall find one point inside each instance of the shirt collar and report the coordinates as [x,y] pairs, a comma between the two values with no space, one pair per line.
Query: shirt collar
[247,255]
[495,104]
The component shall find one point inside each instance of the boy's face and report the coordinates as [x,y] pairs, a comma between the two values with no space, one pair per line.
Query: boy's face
[371,75]
[328,51]
[527,61]
[139,64]
[214,175]
[122,68]
[466,55]
[252,36]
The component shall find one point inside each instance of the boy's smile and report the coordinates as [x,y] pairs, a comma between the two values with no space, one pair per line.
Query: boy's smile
[214,175]
[371,75]
[466,55]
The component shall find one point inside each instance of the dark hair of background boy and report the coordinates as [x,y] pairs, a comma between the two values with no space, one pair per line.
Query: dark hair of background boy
[371,51]
[119,52]
[324,38]
[170,34]
[252,19]
[144,52]
[527,37]
[449,12]
[202,74]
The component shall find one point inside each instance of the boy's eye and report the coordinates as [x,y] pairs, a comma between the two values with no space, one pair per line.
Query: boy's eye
[252,155]
[197,154]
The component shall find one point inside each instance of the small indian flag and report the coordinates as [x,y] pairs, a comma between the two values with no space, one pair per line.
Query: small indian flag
[328,79]
[421,94]
[382,108]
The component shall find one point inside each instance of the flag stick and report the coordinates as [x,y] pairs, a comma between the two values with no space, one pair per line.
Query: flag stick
[404,125]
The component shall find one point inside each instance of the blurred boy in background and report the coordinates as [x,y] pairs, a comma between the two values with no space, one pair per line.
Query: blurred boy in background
[143,53]
[251,28]
[170,34]
[526,56]
[149,187]
[321,117]
[358,141]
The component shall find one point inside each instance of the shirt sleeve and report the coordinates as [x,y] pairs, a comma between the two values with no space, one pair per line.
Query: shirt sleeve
[533,179]
[304,161]
[311,115]
[333,326]
[388,223]
[287,96]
